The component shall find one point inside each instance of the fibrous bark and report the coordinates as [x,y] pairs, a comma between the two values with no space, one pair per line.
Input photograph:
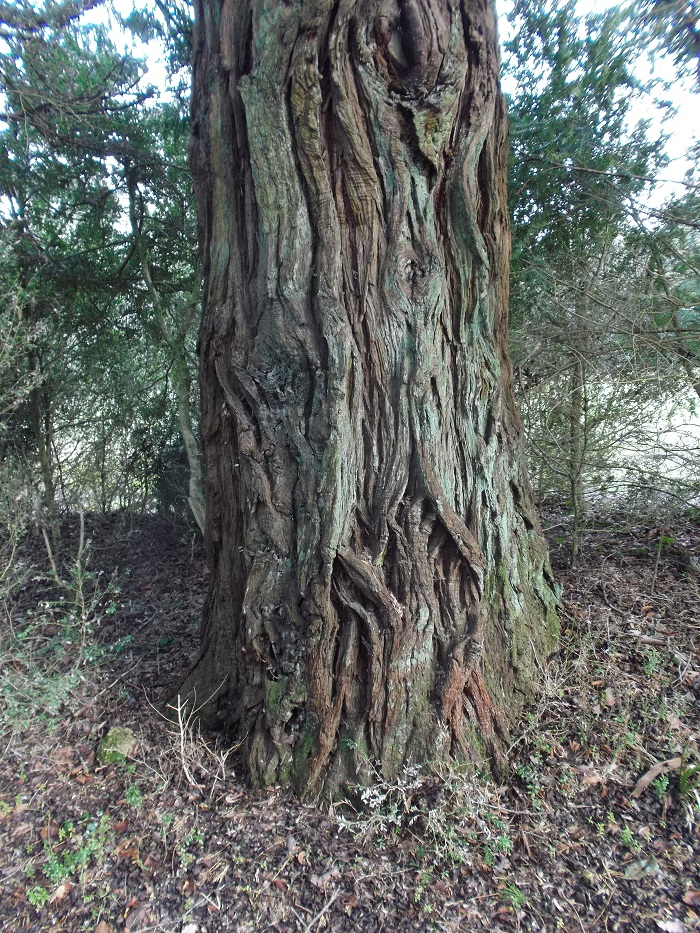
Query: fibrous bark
[380,589]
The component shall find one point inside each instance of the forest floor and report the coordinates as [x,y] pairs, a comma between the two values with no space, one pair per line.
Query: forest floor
[598,827]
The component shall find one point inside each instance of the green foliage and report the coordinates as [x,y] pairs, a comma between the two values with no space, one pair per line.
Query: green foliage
[530,773]
[37,896]
[627,839]
[604,302]
[133,796]
[86,376]
[192,841]
[674,27]
[500,844]
[89,844]
[652,662]
[449,814]
[513,896]
[689,779]
[574,158]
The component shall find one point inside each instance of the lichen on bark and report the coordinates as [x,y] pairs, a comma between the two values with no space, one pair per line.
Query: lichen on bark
[380,588]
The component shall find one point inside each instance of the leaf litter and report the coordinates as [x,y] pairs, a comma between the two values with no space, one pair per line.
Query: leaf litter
[597,828]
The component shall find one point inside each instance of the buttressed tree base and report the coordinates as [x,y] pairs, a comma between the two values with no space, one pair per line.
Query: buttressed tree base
[380,590]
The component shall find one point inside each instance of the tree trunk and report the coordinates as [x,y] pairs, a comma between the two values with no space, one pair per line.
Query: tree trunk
[577,447]
[175,339]
[380,587]
[41,420]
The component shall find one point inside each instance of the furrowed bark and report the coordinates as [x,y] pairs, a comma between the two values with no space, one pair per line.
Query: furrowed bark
[380,588]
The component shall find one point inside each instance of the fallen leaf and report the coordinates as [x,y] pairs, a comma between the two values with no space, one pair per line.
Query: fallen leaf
[663,767]
[671,926]
[609,697]
[676,723]
[60,893]
[320,881]
[50,831]
[103,927]
[692,897]
[589,776]
[642,868]
[137,918]
[127,850]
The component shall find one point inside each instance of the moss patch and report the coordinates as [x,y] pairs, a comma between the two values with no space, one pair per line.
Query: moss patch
[119,744]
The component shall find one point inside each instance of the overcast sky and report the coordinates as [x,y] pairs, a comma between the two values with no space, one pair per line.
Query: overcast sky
[682,127]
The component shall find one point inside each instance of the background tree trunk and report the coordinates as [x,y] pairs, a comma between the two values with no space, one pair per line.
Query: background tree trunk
[174,337]
[380,588]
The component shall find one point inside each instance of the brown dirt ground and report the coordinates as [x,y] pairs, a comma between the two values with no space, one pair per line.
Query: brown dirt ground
[170,840]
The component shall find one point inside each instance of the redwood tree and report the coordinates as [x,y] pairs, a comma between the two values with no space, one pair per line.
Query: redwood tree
[380,592]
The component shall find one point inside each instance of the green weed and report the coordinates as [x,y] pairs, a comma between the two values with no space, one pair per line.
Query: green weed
[37,896]
[628,840]
[652,662]
[80,848]
[513,896]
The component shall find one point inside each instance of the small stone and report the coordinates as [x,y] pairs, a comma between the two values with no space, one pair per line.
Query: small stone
[117,745]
